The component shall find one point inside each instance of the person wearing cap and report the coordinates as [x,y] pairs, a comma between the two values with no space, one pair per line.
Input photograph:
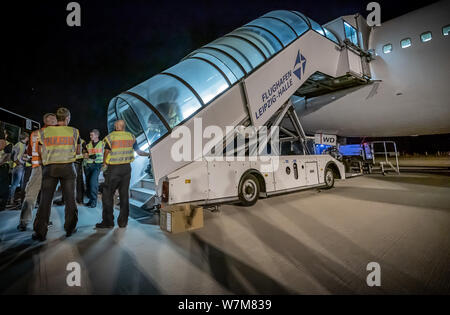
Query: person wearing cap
[34,183]
[58,148]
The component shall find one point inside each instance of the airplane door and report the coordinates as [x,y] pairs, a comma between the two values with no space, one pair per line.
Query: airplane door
[312,174]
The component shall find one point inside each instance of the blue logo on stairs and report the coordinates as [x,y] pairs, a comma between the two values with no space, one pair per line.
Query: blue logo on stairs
[300,65]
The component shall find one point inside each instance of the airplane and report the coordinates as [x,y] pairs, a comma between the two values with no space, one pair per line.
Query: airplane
[409,71]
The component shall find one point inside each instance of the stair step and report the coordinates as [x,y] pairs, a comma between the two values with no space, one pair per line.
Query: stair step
[148,183]
[136,203]
[144,190]
[141,194]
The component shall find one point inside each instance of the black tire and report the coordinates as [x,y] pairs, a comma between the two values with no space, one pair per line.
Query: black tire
[329,178]
[248,190]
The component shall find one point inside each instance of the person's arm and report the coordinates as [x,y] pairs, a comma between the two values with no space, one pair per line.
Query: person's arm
[78,143]
[29,150]
[84,150]
[7,154]
[39,149]
[106,151]
[15,154]
[39,143]
[5,158]
[105,156]
[2,137]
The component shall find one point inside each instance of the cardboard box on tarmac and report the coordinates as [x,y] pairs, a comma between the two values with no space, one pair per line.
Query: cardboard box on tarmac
[180,218]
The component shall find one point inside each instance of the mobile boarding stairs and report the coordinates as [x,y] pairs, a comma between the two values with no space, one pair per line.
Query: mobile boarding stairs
[252,74]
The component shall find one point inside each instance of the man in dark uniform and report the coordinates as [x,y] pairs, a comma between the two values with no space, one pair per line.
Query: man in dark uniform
[119,149]
[79,162]
[58,147]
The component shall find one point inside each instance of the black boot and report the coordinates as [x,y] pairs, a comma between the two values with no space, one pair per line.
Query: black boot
[103,225]
[38,237]
[69,233]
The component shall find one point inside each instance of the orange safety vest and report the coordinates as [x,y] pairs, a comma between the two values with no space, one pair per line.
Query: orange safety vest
[34,141]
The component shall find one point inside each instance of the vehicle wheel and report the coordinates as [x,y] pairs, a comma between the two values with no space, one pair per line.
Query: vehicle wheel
[329,178]
[248,190]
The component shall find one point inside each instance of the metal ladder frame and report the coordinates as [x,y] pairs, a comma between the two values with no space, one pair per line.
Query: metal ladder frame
[386,161]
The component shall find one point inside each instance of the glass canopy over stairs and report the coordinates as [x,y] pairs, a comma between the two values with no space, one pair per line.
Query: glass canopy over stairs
[154,107]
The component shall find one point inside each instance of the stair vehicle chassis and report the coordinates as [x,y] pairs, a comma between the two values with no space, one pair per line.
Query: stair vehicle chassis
[213,182]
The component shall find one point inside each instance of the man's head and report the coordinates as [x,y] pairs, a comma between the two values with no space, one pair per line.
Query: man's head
[119,125]
[50,119]
[94,134]
[24,137]
[63,116]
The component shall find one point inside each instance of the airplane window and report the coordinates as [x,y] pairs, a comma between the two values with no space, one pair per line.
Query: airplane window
[446,30]
[405,43]
[425,37]
[387,48]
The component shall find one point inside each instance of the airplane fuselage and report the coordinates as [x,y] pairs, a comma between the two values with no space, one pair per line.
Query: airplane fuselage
[409,93]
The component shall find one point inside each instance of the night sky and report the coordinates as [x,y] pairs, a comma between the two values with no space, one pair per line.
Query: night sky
[122,43]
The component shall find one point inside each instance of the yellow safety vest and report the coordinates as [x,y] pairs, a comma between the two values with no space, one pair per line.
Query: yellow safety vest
[97,150]
[121,145]
[22,147]
[59,144]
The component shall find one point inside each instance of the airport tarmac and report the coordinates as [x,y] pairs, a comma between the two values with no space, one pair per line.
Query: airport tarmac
[310,242]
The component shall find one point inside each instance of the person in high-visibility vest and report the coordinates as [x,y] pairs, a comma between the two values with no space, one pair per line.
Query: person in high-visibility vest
[79,163]
[34,183]
[17,156]
[26,174]
[93,167]
[5,157]
[58,148]
[120,146]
